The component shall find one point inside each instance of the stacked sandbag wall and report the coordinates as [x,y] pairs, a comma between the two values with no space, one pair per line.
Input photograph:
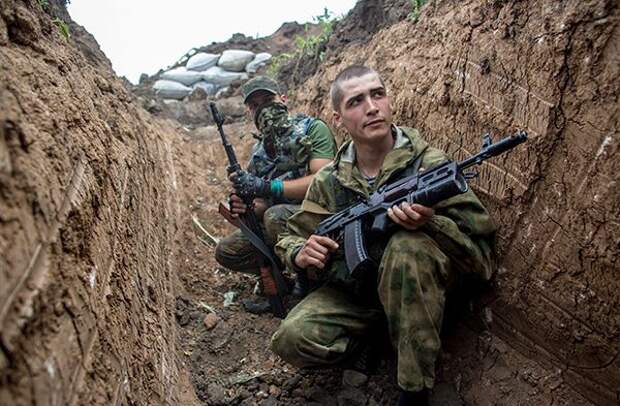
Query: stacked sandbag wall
[212,73]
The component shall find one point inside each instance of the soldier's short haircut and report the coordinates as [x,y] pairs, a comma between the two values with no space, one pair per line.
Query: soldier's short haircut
[352,71]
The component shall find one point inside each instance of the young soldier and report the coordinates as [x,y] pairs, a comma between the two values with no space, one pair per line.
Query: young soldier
[290,151]
[417,264]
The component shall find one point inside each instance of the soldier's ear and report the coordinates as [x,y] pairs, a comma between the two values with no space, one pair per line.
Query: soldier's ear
[284,98]
[336,119]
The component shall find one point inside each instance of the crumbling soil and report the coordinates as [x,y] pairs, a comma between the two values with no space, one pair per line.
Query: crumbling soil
[88,219]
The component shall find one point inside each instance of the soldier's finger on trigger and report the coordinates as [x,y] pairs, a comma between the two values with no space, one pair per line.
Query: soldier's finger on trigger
[398,212]
[413,215]
[423,210]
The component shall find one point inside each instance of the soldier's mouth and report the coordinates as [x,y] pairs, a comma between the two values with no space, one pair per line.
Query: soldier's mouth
[373,122]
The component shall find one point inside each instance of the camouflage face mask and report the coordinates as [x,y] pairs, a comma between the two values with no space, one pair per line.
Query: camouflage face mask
[272,120]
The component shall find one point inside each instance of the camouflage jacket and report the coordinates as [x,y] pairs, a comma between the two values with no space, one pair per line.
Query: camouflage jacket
[461,225]
[286,156]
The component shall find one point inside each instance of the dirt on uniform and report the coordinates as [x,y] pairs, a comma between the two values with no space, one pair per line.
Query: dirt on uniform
[109,293]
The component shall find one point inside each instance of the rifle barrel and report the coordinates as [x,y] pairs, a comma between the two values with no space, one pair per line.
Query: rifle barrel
[494,149]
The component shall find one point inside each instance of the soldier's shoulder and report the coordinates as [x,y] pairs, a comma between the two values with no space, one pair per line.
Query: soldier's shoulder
[326,173]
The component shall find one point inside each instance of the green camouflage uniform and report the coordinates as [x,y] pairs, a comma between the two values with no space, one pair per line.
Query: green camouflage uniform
[285,149]
[415,270]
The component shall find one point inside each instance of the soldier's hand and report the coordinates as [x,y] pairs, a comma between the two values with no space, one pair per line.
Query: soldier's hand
[315,252]
[237,206]
[247,184]
[410,216]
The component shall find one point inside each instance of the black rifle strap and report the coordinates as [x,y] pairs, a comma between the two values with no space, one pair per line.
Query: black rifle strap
[258,243]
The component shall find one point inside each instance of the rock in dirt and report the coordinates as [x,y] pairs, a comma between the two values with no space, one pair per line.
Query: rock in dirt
[270,401]
[321,395]
[217,394]
[351,397]
[292,383]
[274,390]
[210,321]
[353,379]
[198,93]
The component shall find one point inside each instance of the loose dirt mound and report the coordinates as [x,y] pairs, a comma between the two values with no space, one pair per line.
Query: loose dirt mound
[550,68]
[88,217]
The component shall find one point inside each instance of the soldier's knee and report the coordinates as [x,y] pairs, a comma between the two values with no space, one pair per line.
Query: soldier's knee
[220,255]
[286,341]
[225,255]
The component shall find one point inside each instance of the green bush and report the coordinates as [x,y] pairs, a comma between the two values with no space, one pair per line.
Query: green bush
[306,45]
[63,27]
[416,6]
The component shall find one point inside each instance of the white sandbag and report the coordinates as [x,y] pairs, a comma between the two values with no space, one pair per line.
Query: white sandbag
[169,89]
[259,61]
[234,60]
[210,88]
[182,75]
[220,77]
[202,61]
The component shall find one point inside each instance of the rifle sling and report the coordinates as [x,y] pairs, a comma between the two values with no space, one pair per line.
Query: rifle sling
[257,243]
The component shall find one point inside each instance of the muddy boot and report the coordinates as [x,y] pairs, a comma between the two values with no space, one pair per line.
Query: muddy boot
[259,304]
[256,306]
[413,398]
[363,363]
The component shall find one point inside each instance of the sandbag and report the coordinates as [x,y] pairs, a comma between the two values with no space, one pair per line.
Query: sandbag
[220,77]
[234,60]
[169,89]
[182,75]
[259,61]
[210,88]
[202,61]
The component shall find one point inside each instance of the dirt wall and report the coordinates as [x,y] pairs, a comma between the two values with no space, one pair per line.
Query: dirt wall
[551,68]
[88,217]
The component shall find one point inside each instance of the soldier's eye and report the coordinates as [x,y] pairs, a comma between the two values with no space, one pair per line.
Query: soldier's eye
[353,102]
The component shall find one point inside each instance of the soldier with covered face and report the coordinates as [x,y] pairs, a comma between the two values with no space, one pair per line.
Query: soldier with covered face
[290,150]
[418,263]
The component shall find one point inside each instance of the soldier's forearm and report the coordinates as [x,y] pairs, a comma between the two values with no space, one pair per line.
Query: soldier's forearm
[296,188]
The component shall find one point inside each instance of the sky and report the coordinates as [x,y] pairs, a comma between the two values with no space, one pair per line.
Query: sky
[144,36]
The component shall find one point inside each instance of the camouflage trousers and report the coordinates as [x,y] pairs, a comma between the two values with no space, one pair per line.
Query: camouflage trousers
[411,285]
[237,253]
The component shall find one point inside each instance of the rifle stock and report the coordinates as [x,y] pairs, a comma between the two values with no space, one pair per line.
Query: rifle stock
[426,188]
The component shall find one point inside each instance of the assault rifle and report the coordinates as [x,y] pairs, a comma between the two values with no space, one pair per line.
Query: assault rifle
[426,188]
[273,281]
